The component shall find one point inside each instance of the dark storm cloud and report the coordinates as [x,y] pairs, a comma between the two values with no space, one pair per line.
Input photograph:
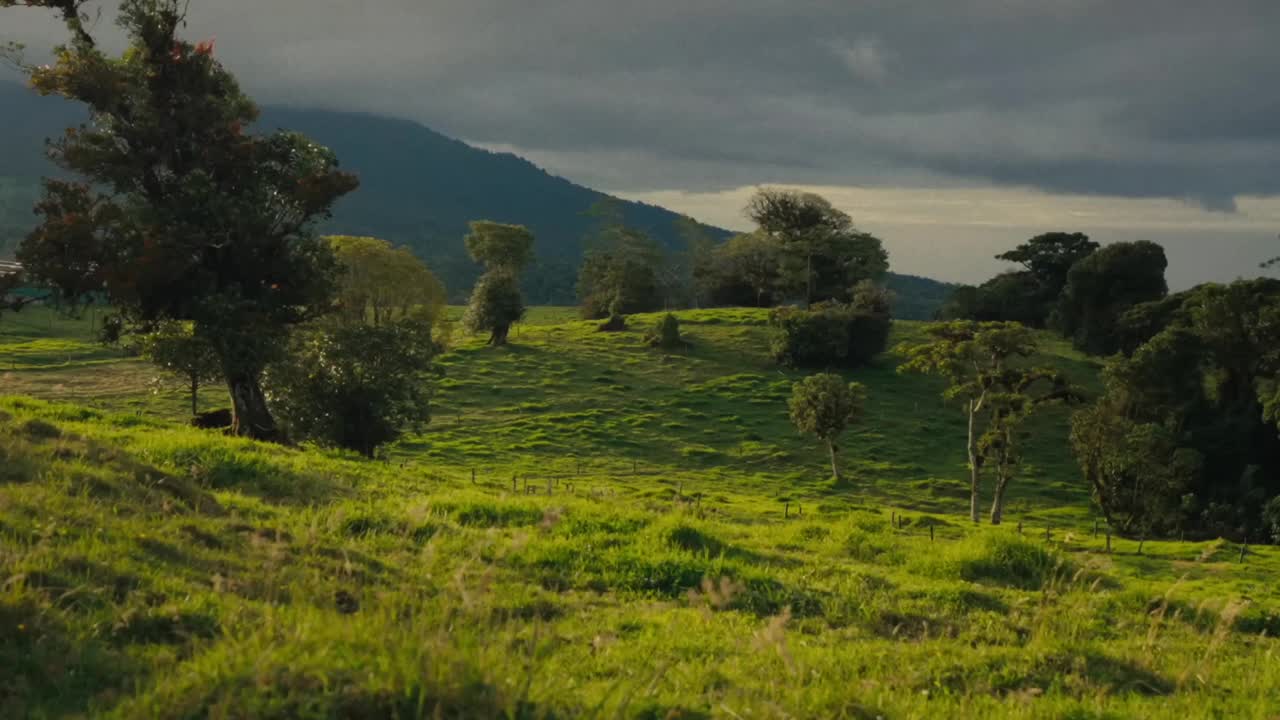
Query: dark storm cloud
[1138,98]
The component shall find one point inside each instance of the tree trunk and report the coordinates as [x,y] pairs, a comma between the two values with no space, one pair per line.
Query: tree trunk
[974,468]
[195,396]
[835,469]
[997,505]
[250,416]
[499,335]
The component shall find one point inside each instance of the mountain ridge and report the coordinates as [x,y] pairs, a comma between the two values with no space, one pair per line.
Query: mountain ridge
[419,188]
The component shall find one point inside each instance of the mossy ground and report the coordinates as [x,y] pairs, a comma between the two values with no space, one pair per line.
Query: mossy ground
[642,568]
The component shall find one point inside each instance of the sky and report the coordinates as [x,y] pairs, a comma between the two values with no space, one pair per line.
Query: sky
[953,129]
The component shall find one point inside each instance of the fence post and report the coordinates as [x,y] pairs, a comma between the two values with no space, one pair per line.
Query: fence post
[549,486]
[513,482]
[931,533]
[1019,527]
[1108,539]
[1244,549]
[473,476]
[1095,527]
[786,510]
[633,466]
[1048,530]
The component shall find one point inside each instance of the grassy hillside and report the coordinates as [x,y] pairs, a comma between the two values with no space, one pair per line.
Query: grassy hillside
[671,550]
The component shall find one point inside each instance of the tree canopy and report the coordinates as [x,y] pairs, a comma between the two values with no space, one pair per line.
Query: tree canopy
[182,214]
[1103,286]
[824,406]
[381,284]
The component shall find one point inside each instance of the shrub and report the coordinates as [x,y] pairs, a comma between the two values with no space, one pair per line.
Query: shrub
[666,334]
[828,335]
[355,386]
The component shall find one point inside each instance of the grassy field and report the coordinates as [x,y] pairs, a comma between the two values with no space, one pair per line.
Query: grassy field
[590,528]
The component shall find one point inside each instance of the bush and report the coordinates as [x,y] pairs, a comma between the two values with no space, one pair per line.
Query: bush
[355,386]
[828,335]
[666,334]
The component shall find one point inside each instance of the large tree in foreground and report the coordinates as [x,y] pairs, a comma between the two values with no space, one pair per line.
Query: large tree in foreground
[182,214]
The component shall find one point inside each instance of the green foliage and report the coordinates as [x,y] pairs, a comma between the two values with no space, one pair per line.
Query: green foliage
[831,334]
[1182,437]
[496,304]
[355,386]
[747,271]
[182,214]
[619,276]
[382,284]
[175,348]
[824,406]
[823,255]
[508,248]
[1102,287]
[666,334]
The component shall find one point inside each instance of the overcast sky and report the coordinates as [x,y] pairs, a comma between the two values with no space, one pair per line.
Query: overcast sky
[953,128]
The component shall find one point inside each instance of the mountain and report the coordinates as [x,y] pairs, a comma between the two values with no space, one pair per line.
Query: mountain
[418,188]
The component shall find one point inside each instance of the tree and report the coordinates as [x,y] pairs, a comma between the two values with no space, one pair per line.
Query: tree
[496,302]
[699,259]
[1016,395]
[176,348]
[824,406]
[499,247]
[748,270]
[619,275]
[1192,397]
[825,255]
[355,385]
[1047,260]
[974,358]
[183,215]
[1007,297]
[1103,286]
[9,282]
[380,283]
[495,305]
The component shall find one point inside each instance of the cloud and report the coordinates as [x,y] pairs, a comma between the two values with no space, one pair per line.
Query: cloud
[1146,98]
[864,58]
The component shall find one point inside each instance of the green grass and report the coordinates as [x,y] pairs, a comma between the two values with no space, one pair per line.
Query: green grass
[672,550]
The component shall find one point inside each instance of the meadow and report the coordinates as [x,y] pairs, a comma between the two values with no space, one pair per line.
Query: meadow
[588,528]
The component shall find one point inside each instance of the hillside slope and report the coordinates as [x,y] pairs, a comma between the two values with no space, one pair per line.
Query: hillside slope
[418,188]
[590,528]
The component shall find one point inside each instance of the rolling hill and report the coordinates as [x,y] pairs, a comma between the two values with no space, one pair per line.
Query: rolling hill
[418,188]
[588,528]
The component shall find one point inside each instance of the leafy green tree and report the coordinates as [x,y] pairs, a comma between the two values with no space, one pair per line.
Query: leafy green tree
[748,271]
[183,214]
[380,283]
[355,385]
[824,255]
[619,275]
[176,348]
[824,406]
[496,304]
[974,358]
[1138,475]
[499,247]
[9,282]
[1200,386]
[699,261]
[1016,395]
[1103,286]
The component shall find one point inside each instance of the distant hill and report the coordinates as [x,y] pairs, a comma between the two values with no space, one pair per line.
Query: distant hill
[418,188]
